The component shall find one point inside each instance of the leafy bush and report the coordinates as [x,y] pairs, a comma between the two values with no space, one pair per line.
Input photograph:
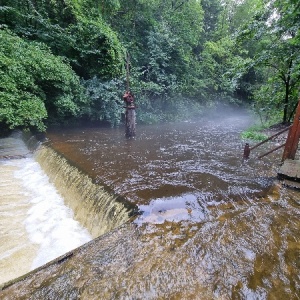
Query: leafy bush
[254,133]
[34,84]
[104,101]
[73,29]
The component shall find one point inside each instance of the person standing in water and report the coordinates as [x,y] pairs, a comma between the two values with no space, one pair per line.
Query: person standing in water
[129,114]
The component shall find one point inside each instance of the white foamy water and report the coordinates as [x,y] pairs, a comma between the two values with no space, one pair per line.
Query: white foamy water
[36,226]
[50,223]
[173,209]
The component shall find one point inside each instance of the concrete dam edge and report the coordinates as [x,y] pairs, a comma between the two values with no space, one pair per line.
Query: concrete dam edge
[95,207]
[37,283]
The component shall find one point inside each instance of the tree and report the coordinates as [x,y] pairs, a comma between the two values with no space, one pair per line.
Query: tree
[222,61]
[275,32]
[74,29]
[104,101]
[182,52]
[34,84]
[162,38]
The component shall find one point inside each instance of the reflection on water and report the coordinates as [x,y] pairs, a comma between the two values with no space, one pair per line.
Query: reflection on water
[211,226]
[175,209]
[189,165]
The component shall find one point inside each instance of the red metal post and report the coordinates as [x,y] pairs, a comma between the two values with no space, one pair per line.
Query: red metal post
[246,151]
[293,137]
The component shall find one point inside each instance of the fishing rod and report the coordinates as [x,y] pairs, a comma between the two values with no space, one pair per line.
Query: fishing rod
[130,106]
[127,71]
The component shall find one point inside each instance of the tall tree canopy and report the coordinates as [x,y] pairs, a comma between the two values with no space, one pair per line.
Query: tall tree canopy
[34,83]
[274,34]
[184,54]
[74,29]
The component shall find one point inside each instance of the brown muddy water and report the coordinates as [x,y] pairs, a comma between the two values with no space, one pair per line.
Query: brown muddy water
[190,164]
[35,224]
[210,226]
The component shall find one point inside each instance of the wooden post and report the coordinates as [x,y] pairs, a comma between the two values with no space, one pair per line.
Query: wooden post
[246,151]
[293,137]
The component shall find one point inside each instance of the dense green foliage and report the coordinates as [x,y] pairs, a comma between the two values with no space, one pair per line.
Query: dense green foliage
[104,100]
[272,36]
[255,133]
[33,82]
[62,60]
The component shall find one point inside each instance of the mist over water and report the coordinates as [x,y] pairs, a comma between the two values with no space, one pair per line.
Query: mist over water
[174,170]
[211,226]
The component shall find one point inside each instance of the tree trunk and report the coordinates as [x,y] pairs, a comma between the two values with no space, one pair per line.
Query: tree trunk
[287,82]
[286,102]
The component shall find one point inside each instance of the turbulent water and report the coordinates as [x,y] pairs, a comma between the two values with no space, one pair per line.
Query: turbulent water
[180,167]
[210,226]
[35,224]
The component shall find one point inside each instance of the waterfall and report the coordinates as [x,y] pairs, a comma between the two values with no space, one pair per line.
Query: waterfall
[94,206]
[48,206]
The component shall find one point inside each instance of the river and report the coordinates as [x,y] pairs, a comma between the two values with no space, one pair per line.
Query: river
[35,224]
[189,164]
[210,226]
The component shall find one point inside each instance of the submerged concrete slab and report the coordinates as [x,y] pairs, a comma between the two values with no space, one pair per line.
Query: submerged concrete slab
[290,169]
[233,256]
[78,272]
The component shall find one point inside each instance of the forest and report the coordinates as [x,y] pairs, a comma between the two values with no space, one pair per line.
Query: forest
[63,62]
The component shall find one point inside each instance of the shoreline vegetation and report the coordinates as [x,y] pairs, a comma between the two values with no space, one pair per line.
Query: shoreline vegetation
[260,132]
[64,62]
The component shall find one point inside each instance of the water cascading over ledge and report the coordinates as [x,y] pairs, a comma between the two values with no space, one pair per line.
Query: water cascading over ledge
[94,206]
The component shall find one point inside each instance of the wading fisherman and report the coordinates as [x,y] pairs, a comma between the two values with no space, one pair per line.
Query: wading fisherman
[129,114]
[129,99]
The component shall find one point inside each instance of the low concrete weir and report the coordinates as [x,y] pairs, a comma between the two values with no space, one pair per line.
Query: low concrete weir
[211,226]
[48,206]
[94,206]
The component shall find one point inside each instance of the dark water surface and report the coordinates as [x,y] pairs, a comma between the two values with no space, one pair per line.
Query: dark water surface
[212,226]
[185,166]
